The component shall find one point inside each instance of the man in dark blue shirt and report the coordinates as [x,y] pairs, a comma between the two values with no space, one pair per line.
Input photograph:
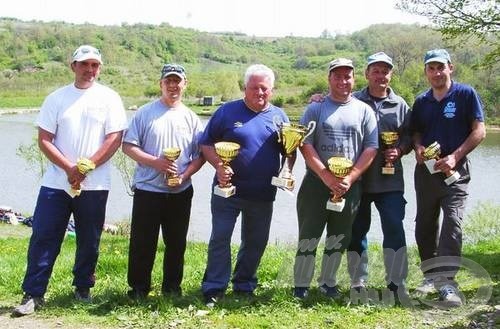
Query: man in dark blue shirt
[451,114]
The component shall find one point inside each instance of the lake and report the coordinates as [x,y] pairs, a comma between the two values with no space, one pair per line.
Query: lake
[19,186]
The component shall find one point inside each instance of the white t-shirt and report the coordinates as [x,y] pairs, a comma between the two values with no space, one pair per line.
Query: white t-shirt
[80,119]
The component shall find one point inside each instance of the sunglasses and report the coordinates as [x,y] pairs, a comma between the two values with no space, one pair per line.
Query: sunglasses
[173,68]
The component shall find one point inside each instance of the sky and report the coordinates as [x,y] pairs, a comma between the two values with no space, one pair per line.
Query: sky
[263,18]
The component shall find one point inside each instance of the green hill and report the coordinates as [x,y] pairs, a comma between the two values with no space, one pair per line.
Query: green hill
[34,59]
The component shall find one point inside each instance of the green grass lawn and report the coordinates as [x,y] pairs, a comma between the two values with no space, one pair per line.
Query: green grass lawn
[273,306]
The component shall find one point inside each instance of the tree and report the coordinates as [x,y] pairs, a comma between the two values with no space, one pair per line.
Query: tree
[455,18]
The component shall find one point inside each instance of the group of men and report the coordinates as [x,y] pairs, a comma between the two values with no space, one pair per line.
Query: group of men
[81,125]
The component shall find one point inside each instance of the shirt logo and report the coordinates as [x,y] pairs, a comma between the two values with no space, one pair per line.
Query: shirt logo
[449,110]
[238,124]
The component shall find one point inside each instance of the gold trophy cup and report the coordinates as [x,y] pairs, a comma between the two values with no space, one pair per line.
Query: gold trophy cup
[340,167]
[290,136]
[389,139]
[227,151]
[172,153]
[431,155]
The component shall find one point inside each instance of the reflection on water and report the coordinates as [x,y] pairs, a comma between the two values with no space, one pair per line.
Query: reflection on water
[19,186]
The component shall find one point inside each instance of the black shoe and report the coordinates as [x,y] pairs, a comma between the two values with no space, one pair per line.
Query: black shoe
[300,292]
[168,292]
[330,292]
[401,295]
[136,294]
[212,297]
[243,294]
[29,305]
[83,295]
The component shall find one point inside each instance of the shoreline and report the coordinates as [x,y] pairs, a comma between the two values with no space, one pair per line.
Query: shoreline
[4,111]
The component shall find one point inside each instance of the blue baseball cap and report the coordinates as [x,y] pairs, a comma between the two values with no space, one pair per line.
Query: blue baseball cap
[437,55]
[380,57]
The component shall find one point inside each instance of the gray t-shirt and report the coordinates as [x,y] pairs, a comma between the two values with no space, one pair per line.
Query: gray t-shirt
[342,129]
[155,127]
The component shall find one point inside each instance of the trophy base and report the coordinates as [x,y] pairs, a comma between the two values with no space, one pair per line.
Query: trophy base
[283,182]
[453,178]
[388,171]
[224,192]
[337,206]
[430,166]
[173,181]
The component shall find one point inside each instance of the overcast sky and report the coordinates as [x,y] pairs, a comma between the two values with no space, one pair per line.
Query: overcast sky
[257,17]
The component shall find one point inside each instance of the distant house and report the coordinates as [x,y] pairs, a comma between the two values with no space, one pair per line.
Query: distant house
[208,100]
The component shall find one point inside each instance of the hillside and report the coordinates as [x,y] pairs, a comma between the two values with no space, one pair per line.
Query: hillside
[34,60]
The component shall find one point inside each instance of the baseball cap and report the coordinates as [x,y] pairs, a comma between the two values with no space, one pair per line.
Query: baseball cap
[85,52]
[380,57]
[175,69]
[437,55]
[339,62]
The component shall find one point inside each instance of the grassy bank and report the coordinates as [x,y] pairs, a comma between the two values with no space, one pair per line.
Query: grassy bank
[273,307]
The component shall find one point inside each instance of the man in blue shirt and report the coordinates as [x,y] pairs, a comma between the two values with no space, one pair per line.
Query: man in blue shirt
[451,114]
[248,122]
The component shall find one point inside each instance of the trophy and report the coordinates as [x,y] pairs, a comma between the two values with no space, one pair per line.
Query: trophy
[227,151]
[290,136]
[340,167]
[389,139]
[172,153]
[431,155]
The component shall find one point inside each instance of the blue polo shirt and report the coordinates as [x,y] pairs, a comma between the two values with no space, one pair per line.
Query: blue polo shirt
[259,157]
[449,121]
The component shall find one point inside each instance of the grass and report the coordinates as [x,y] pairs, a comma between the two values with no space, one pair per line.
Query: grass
[274,307]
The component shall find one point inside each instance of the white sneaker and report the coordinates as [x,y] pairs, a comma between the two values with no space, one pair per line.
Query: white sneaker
[28,305]
[358,285]
[450,295]
[426,287]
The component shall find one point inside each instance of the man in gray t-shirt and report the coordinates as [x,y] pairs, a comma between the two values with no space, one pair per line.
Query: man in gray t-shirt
[162,183]
[345,127]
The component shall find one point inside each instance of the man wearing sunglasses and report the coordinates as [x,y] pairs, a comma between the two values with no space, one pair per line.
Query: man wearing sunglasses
[79,129]
[157,129]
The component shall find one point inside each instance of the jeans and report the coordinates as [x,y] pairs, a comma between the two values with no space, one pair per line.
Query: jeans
[50,220]
[313,217]
[255,225]
[152,210]
[391,207]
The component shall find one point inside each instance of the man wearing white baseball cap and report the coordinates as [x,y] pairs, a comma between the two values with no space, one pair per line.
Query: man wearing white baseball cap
[80,127]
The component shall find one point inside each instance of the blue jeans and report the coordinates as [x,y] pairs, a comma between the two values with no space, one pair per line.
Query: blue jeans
[255,224]
[50,220]
[391,207]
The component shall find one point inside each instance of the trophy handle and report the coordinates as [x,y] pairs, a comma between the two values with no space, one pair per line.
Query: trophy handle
[310,128]
[278,123]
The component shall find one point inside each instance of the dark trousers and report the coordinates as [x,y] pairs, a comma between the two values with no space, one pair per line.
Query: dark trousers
[434,196]
[50,220]
[255,223]
[152,210]
[313,217]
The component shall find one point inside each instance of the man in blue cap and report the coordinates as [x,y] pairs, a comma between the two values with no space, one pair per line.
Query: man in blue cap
[384,190]
[451,114]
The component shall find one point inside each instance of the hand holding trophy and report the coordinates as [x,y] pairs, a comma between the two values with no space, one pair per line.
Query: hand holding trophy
[431,155]
[290,136]
[227,151]
[172,153]
[389,140]
[340,167]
